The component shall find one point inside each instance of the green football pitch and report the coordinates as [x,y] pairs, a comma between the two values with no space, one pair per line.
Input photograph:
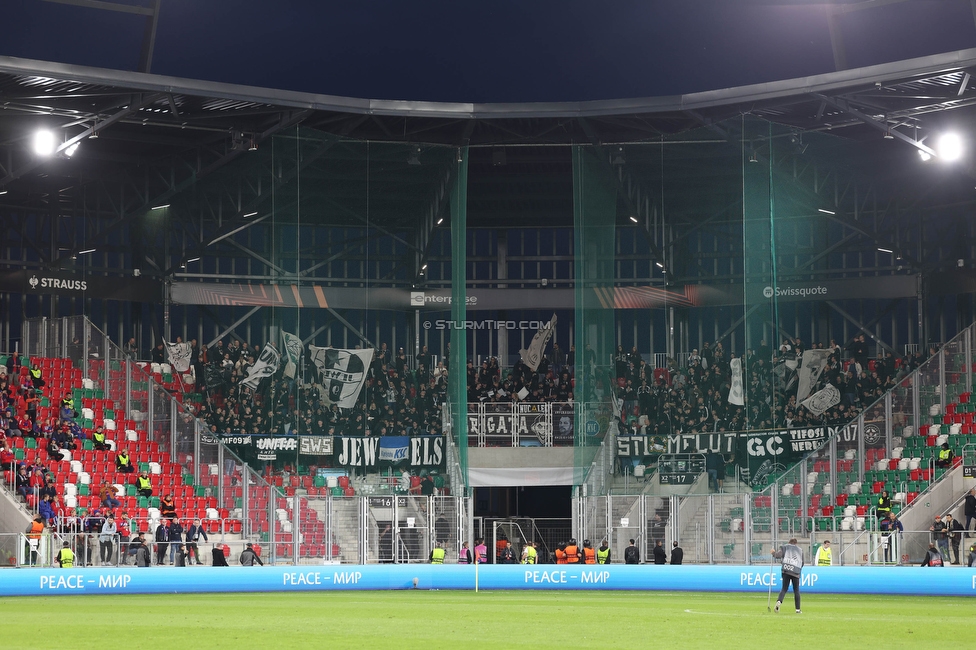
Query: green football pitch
[452,619]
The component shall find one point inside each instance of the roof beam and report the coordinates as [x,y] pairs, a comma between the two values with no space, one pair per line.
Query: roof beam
[845,106]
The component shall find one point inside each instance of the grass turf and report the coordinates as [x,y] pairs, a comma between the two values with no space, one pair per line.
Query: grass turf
[442,619]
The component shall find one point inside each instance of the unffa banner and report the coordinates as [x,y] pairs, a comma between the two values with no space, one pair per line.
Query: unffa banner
[365,452]
[264,449]
[757,580]
[266,366]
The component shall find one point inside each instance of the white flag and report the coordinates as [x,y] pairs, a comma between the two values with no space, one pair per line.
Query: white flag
[293,353]
[342,373]
[814,362]
[822,400]
[179,356]
[266,365]
[533,356]
[735,392]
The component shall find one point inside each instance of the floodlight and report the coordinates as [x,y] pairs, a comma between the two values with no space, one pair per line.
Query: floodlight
[160,207]
[885,250]
[250,214]
[826,211]
[86,251]
[193,259]
[924,155]
[949,147]
[659,265]
[70,151]
[44,143]
[634,219]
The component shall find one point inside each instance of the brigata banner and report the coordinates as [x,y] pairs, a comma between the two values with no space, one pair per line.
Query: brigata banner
[760,454]
[756,580]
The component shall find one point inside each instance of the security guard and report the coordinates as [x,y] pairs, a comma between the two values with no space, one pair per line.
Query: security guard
[572,552]
[589,554]
[531,555]
[66,558]
[823,554]
[98,439]
[560,553]
[603,553]
[945,456]
[884,505]
[144,485]
[34,532]
[123,463]
[437,555]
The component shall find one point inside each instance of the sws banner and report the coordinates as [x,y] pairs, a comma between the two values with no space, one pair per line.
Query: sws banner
[81,284]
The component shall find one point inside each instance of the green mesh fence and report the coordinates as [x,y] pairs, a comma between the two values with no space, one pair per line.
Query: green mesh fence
[457,377]
[594,219]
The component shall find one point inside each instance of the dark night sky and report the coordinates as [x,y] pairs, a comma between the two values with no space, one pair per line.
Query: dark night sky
[488,51]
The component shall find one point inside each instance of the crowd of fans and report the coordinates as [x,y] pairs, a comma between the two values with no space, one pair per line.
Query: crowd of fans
[694,397]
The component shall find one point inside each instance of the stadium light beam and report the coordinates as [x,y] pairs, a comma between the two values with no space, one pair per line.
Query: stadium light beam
[86,251]
[193,259]
[71,149]
[160,207]
[885,250]
[826,211]
[949,147]
[44,143]
[250,214]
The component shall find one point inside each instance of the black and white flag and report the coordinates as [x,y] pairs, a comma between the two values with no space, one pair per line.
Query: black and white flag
[179,356]
[814,362]
[533,356]
[822,400]
[735,391]
[266,365]
[293,353]
[342,373]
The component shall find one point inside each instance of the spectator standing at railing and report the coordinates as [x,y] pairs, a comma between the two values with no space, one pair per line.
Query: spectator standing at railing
[954,533]
[938,530]
[106,540]
[162,540]
[891,528]
[193,534]
[175,538]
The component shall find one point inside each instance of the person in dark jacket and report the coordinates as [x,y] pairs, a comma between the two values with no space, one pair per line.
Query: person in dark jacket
[143,556]
[660,555]
[218,557]
[970,508]
[933,557]
[249,557]
[632,554]
[162,541]
[676,553]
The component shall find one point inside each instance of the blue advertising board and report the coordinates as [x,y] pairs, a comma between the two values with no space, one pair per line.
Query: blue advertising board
[825,580]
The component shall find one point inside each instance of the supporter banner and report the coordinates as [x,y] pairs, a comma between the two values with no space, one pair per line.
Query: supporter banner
[82,284]
[537,347]
[564,420]
[293,353]
[759,453]
[755,579]
[500,421]
[342,373]
[261,449]
[266,366]
[179,355]
[422,451]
